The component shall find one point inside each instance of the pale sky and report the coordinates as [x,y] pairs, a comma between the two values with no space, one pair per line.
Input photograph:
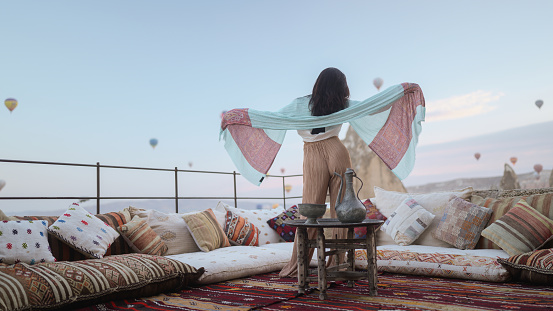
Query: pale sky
[96,80]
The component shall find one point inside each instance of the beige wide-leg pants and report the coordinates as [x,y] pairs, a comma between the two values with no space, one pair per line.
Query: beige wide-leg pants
[320,160]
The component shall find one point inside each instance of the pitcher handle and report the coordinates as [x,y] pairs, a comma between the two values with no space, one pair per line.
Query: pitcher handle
[355,175]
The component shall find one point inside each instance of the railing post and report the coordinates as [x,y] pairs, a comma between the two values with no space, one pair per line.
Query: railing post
[235,199]
[97,187]
[176,192]
[283,193]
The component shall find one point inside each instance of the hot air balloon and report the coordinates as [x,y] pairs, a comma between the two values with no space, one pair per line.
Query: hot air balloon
[288,187]
[538,168]
[477,156]
[282,170]
[153,142]
[190,164]
[275,205]
[10,103]
[539,103]
[2,184]
[514,160]
[378,83]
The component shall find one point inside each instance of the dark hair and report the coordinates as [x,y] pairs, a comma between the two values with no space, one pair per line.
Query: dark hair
[330,93]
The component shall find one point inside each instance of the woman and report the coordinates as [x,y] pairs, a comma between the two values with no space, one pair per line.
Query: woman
[323,153]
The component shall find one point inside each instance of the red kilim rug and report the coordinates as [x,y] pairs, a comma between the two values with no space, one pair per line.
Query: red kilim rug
[395,292]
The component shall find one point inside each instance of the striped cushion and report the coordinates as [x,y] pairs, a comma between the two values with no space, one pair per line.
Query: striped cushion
[521,230]
[462,223]
[71,284]
[533,267]
[543,203]
[206,231]
[141,237]
[239,231]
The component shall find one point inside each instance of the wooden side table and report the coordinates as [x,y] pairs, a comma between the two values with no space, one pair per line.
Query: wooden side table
[340,272]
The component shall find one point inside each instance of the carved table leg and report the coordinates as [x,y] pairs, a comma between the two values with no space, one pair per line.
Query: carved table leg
[371,261]
[350,257]
[303,265]
[322,263]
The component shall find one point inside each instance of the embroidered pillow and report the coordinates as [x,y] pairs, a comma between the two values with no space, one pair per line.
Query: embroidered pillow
[84,232]
[239,231]
[141,237]
[535,267]
[277,223]
[372,213]
[407,222]
[206,231]
[462,223]
[171,229]
[24,241]
[521,230]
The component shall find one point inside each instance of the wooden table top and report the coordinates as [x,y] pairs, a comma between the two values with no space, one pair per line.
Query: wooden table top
[333,223]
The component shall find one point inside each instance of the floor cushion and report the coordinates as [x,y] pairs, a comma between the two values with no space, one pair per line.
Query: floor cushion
[533,267]
[48,286]
[446,262]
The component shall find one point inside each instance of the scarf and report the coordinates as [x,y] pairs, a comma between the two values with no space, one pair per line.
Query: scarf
[388,122]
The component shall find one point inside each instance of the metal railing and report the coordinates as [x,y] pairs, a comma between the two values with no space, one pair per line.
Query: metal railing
[176,197]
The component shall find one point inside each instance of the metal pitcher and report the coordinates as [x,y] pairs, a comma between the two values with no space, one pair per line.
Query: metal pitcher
[350,209]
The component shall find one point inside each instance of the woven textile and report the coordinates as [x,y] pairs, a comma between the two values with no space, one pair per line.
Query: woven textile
[24,241]
[206,231]
[60,284]
[521,230]
[462,223]
[395,292]
[84,232]
[434,202]
[542,202]
[389,122]
[258,218]
[436,265]
[534,267]
[277,223]
[239,231]
[407,222]
[372,213]
[142,238]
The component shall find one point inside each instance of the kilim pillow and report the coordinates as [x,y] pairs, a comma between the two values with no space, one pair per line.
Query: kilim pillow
[521,230]
[533,267]
[542,202]
[24,241]
[141,237]
[239,231]
[407,222]
[277,223]
[206,231]
[257,217]
[372,213]
[434,202]
[84,232]
[462,223]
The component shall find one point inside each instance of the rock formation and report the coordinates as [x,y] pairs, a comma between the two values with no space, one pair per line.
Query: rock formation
[369,168]
[551,179]
[510,179]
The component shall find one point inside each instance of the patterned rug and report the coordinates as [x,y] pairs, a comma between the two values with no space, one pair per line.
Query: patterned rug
[395,292]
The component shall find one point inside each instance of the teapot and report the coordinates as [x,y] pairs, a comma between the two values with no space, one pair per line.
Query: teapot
[349,209]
